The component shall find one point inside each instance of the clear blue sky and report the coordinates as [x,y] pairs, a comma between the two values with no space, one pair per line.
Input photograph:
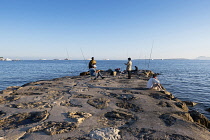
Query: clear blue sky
[114,29]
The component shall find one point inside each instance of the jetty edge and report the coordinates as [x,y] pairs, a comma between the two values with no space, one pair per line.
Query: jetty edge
[114,108]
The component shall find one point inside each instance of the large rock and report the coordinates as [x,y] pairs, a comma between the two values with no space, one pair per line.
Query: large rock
[130,106]
[2,113]
[208,109]
[171,119]
[20,119]
[82,96]
[200,118]
[120,118]
[125,97]
[10,90]
[148,73]
[6,99]
[72,103]
[190,103]
[39,105]
[151,134]
[182,105]
[84,73]
[99,103]
[79,117]
[52,128]
[105,134]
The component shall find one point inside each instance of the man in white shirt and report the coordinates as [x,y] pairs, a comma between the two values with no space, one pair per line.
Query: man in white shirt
[129,67]
[154,83]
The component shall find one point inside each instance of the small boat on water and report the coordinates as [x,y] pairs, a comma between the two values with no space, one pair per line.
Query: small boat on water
[3,59]
[7,59]
[16,60]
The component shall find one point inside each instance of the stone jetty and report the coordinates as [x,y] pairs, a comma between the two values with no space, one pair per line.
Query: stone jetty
[114,108]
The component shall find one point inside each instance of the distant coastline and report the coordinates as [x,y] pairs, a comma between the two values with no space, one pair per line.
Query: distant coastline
[197,58]
[203,58]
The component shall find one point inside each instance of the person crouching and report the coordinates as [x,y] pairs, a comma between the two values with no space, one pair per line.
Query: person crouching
[154,83]
[94,72]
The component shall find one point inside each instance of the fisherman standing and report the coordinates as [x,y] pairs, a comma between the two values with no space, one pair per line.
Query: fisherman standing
[129,67]
[92,62]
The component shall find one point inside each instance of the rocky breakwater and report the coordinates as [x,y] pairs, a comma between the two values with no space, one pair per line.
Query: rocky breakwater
[80,108]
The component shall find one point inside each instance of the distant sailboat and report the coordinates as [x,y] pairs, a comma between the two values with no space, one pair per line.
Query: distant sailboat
[67,55]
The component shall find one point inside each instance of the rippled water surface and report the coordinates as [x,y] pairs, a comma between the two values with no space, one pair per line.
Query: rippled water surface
[186,79]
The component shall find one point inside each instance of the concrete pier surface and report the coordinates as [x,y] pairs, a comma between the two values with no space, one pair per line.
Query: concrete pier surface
[113,108]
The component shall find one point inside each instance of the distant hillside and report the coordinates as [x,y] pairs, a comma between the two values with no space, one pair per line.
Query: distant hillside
[203,58]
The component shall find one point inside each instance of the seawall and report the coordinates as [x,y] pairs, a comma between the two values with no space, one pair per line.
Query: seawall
[114,108]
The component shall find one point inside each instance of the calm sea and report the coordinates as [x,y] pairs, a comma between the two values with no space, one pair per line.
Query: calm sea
[186,79]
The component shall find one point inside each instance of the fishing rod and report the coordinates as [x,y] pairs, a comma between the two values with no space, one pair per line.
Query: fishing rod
[139,59]
[83,55]
[151,53]
[145,61]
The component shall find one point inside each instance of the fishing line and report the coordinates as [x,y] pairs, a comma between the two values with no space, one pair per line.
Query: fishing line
[145,62]
[83,56]
[151,53]
[139,58]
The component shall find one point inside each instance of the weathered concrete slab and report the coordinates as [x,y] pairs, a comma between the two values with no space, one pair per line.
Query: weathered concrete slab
[81,108]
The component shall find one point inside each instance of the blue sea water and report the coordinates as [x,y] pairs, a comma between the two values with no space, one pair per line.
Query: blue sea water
[188,80]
